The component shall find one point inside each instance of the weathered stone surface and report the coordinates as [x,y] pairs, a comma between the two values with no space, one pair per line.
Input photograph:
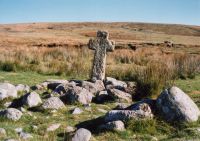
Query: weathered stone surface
[11,113]
[49,84]
[114,125]
[131,87]
[53,103]
[69,129]
[37,87]
[113,83]
[82,135]
[119,95]
[76,82]
[77,111]
[63,88]
[143,112]
[102,96]
[150,102]
[174,105]
[53,127]
[32,99]
[95,87]
[77,94]
[53,83]
[101,45]
[22,88]
[7,90]
[121,106]
[3,94]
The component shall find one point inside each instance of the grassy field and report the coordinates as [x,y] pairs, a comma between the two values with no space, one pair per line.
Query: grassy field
[136,130]
[191,86]
[29,78]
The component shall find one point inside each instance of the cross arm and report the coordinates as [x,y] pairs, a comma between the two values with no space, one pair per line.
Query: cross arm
[92,44]
[111,46]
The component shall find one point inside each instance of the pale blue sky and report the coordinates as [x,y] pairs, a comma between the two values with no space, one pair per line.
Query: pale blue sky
[155,11]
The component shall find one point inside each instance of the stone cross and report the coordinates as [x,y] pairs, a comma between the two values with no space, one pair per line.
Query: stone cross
[101,44]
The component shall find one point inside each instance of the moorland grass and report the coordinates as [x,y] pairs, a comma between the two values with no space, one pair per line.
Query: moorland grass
[136,130]
[150,68]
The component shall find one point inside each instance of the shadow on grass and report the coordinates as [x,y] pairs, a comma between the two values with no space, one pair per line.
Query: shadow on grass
[92,124]
[16,103]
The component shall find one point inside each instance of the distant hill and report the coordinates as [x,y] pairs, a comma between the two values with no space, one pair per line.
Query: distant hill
[77,34]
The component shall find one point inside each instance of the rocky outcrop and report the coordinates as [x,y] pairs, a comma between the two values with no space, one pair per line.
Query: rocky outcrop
[121,106]
[114,125]
[77,94]
[22,88]
[150,102]
[32,99]
[141,112]
[82,135]
[63,88]
[49,84]
[174,105]
[53,83]
[69,129]
[131,87]
[7,90]
[102,96]
[77,111]
[53,103]
[113,83]
[11,113]
[119,96]
[95,87]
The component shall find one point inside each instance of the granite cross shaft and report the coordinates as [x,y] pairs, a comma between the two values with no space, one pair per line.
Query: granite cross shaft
[101,44]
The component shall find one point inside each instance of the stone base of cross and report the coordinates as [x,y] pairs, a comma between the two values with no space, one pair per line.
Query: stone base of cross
[101,44]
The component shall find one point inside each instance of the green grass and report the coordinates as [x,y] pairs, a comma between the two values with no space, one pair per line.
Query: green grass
[189,85]
[44,119]
[136,130]
[29,78]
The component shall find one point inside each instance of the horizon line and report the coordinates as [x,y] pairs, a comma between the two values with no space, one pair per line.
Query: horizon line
[142,22]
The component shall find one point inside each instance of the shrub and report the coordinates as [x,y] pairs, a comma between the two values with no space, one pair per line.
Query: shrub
[186,66]
[8,66]
[152,79]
